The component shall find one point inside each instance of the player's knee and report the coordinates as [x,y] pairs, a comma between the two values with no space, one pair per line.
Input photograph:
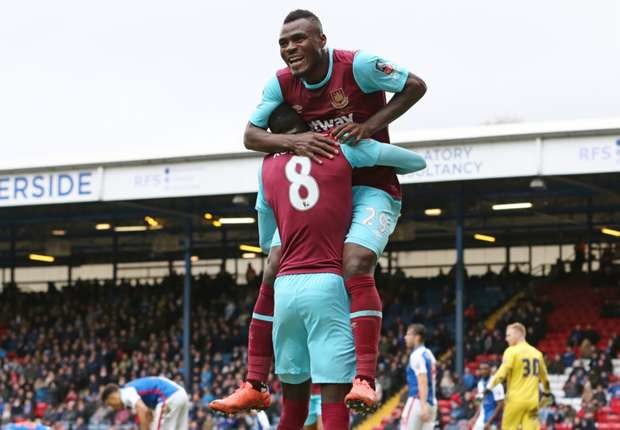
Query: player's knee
[334,393]
[297,392]
[358,261]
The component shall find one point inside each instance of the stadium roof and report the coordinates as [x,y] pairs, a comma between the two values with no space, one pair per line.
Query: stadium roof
[575,195]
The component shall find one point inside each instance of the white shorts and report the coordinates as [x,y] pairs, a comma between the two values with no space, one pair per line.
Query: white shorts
[173,413]
[480,423]
[410,418]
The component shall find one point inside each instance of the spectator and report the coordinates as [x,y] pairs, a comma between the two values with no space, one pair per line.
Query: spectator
[568,358]
[250,274]
[556,366]
[576,336]
[572,387]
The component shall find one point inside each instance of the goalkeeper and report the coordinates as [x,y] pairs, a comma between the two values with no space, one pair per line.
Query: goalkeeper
[523,369]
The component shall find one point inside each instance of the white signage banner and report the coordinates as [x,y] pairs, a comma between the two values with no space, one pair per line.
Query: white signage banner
[476,161]
[50,187]
[568,156]
[181,179]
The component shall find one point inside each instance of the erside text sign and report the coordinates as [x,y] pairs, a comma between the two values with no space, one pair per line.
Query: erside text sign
[50,187]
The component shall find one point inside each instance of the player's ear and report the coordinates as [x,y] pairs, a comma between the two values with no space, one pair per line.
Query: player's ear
[323,39]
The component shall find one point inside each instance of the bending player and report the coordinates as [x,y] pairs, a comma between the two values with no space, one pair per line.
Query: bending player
[523,368]
[312,210]
[158,402]
[342,92]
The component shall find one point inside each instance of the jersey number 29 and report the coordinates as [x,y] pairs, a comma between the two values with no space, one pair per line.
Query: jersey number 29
[299,180]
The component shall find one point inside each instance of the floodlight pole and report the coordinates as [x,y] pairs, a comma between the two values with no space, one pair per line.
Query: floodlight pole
[459,284]
[187,288]
[114,258]
[589,235]
[13,259]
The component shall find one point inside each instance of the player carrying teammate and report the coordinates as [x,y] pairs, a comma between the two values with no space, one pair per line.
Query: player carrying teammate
[159,403]
[523,368]
[342,92]
[421,407]
[311,206]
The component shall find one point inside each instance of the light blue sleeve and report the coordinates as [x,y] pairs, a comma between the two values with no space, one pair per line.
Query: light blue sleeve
[364,154]
[266,218]
[373,73]
[272,98]
[369,152]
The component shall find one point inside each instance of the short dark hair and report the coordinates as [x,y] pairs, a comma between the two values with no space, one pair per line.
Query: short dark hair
[419,329]
[302,14]
[284,119]
[108,390]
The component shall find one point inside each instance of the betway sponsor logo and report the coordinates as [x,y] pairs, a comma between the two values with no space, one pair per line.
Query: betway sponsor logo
[320,125]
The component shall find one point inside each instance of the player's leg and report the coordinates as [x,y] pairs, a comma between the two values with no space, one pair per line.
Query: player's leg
[295,400]
[512,416]
[374,218]
[334,412]
[251,395]
[406,413]
[158,417]
[260,344]
[530,420]
[179,410]
[173,410]
[292,358]
[313,422]
[330,343]
[415,421]
[479,424]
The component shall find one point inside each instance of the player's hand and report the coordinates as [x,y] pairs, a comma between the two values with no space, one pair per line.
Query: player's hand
[546,398]
[425,413]
[314,146]
[350,133]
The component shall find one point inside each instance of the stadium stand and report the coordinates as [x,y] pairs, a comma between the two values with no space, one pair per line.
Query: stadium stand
[568,323]
[57,348]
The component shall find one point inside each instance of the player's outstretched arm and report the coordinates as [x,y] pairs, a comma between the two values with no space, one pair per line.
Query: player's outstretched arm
[504,369]
[403,160]
[369,153]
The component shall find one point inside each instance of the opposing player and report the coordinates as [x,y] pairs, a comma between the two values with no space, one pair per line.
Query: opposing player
[311,206]
[342,92]
[420,410]
[523,369]
[159,403]
[491,401]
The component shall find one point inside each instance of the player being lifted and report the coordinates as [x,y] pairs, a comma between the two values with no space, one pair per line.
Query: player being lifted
[311,206]
[523,369]
[341,92]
